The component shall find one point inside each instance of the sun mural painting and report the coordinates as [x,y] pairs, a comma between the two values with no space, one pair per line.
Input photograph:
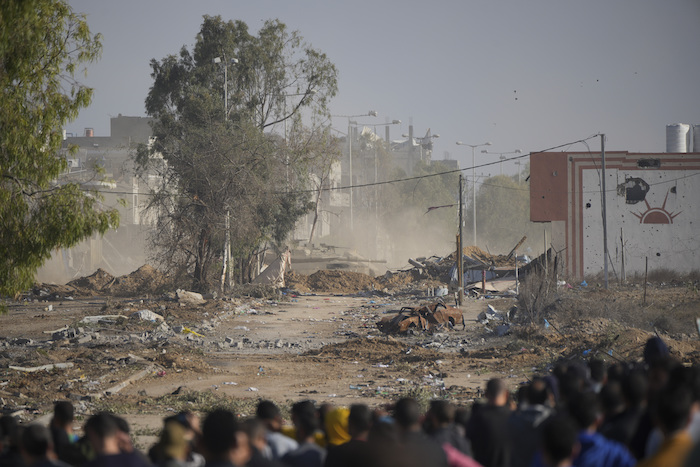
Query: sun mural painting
[656,215]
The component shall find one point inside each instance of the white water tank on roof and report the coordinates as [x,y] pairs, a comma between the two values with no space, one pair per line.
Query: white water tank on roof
[677,137]
[696,138]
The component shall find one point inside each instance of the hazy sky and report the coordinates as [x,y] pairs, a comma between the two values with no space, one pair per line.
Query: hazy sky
[526,74]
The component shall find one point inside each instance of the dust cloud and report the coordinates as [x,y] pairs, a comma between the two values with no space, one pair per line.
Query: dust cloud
[119,252]
[395,238]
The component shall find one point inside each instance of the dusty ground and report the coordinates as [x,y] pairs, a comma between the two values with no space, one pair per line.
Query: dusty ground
[322,346]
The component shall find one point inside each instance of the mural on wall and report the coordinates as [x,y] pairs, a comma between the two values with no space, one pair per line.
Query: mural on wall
[657,215]
[654,216]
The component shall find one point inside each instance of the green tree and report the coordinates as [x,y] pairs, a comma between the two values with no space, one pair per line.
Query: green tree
[43,44]
[213,122]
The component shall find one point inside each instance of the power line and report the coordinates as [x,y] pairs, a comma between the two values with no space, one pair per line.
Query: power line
[436,174]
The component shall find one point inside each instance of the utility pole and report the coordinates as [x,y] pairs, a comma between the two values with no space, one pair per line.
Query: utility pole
[605,214]
[351,184]
[460,263]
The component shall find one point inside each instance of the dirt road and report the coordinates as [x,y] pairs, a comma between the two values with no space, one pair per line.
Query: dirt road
[282,357]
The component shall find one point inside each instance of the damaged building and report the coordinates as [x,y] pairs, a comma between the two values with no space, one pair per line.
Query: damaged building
[652,209]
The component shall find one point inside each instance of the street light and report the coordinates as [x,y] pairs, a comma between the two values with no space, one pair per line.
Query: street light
[304,95]
[233,61]
[502,156]
[375,125]
[473,146]
[371,113]
[364,171]
[227,244]
[518,163]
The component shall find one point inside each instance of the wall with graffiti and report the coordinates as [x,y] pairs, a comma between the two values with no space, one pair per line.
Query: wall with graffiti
[652,216]
[653,209]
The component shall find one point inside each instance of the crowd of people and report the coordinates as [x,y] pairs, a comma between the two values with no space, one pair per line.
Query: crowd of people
[582,413]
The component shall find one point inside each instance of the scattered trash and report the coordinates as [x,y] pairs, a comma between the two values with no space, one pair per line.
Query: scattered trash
[491,315]
[190,331]
[252,389]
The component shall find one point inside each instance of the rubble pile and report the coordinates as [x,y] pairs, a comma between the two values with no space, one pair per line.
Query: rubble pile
[480,255]
[145,281]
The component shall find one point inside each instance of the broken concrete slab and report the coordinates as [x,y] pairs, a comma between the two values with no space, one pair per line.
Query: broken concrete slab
[135,377]
[103,319]
[189,298]
[491,314]
[147,315]
[49,367]
[81,339]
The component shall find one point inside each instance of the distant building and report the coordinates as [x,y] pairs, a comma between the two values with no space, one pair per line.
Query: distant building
[652,209]
[122,250]
[408,152]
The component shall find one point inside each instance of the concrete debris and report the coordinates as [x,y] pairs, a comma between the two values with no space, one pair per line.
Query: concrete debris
[189,298]
[67,333]
[21,341]
[103,319]
[147,315]
[502,329]
[491,315]
[81,339]
[49,367]
[135,377]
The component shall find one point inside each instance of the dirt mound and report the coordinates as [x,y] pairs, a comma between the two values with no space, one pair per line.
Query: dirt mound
[340,281]
[351,282]
[146,280]
[297,281]
[92,283]
[376,351]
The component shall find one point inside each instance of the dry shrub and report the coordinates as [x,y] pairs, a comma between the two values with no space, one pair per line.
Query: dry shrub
[538,294]
[666,276]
